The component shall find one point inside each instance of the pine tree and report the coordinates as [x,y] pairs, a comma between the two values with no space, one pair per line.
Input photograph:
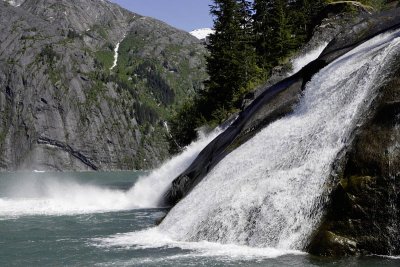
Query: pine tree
[263,32]
[282,30]
[281,27]
[246,57]
[301,14]
[231,64]
[249,40]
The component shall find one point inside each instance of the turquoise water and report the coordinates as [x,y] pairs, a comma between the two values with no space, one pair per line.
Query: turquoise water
[89,232]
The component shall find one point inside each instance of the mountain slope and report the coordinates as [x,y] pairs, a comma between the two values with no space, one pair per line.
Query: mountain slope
[62,108]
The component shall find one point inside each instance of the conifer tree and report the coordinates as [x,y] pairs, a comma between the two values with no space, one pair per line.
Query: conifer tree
[249,40]
[282,30]
[246,57]
[232,62]
[263,32]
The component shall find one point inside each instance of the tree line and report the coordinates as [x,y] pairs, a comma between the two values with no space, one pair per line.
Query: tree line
[251,37]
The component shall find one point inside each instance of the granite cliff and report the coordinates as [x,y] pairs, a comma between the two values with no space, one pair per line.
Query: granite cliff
[64,105]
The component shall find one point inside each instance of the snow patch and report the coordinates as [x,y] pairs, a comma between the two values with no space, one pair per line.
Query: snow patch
[202,33]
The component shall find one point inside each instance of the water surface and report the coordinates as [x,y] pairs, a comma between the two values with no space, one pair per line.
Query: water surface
[93,234]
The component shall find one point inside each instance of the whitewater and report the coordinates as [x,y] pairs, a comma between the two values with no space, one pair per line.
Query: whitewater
[33,195]
[269,192]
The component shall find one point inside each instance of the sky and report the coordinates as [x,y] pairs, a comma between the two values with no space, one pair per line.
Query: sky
[186,15]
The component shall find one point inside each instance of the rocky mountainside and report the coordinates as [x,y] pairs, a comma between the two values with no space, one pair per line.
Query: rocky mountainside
[88,85]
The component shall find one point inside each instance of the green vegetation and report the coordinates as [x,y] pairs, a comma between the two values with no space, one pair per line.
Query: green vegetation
[156,83]
[159,77]
[249,40]
[92,96]
[50,57]
[105,57]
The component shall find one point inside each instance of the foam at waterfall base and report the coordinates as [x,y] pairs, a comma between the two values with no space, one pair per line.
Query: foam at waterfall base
[154,238]
[33,194]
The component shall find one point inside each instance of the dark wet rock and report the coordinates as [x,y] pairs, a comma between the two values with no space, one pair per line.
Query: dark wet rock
[329,244]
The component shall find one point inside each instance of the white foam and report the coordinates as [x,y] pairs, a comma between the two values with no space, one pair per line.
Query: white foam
[303,60]
[391,257]
[154,238]
[57,196]
[148,190]
[31,195]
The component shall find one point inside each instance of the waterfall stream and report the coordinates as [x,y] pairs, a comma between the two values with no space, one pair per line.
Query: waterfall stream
[267,193]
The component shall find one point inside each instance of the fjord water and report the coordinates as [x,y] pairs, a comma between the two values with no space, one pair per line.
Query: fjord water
[256,208]
[78,238]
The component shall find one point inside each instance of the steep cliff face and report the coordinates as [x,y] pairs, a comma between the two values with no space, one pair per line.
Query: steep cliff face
[63,106]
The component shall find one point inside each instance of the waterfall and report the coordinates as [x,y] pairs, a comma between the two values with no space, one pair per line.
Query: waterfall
[116,50]
[148,190]
[268,192]
[302,60]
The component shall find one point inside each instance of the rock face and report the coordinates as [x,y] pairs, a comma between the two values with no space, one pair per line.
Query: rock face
[61,105]
[362,216]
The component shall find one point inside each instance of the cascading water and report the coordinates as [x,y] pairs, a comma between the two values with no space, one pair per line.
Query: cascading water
[116,49]
[148,190]
[267,193]
[302,60]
